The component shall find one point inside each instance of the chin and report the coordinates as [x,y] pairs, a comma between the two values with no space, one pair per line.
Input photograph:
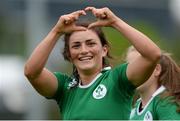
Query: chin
[86,67]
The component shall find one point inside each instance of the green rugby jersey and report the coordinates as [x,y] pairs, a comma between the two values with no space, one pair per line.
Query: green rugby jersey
[158,108]
[108,96]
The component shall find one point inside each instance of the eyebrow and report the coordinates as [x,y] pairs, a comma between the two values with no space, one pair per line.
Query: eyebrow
[89,40]
[77,42]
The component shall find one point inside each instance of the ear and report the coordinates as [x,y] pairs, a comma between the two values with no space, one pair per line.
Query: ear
[105,51]
[157,70]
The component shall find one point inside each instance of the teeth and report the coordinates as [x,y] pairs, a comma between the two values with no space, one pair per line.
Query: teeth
[85,58]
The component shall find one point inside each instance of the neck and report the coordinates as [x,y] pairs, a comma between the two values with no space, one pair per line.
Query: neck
[87,77]
[146,93]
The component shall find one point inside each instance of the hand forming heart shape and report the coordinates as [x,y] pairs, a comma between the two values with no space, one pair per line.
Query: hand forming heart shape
[105,17]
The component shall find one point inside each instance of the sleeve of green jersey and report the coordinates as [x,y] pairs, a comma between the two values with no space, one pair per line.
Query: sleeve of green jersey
[61,85]
[126,87]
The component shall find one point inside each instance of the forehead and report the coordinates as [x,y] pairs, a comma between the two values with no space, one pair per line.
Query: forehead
[80,36]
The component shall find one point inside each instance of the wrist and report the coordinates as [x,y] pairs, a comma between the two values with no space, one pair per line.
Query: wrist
[117,23]
[56,31]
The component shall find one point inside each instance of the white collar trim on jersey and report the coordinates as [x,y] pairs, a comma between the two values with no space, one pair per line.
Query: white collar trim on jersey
[88,85]
[158,91]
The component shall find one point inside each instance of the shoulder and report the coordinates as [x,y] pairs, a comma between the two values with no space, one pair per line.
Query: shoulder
[166,107]
[164,98]
[63,79]
[119,71]
[120,74]
[60,75]
[122,66]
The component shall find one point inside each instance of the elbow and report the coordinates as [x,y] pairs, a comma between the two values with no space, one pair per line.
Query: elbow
[156,56]
[28,72]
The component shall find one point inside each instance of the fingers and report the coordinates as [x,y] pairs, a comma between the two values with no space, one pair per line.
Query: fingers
[103,15]
[79,28]
[98,13]
[96,24]
[68,19]
[89,8]
[93,25]
[79,13]
[72,17]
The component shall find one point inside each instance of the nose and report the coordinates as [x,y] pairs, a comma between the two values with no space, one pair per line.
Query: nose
[84,49]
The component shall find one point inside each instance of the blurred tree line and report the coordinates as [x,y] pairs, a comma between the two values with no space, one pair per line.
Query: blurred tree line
[119,44]
[14,42]
[12,39]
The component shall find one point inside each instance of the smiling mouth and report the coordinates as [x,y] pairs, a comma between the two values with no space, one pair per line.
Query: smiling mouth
[85,58]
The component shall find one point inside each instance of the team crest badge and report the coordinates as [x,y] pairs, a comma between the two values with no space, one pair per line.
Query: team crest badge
[100,92]
[148,116]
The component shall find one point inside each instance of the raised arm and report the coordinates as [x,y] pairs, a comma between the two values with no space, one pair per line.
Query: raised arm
[141,68]
[41,78]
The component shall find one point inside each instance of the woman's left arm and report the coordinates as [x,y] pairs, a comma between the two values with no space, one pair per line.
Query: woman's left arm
[139,70]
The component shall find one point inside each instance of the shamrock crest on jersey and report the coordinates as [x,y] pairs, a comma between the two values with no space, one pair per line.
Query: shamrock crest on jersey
[99,92]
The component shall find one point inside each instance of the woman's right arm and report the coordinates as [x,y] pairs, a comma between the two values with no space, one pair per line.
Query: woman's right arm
[41,78]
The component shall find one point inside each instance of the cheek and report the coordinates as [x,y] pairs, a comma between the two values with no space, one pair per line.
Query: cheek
[73,54]
[99,52]
[102,51]
[96,51]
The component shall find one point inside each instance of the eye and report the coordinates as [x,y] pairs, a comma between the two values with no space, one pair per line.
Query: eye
[91,44]
[75,46]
